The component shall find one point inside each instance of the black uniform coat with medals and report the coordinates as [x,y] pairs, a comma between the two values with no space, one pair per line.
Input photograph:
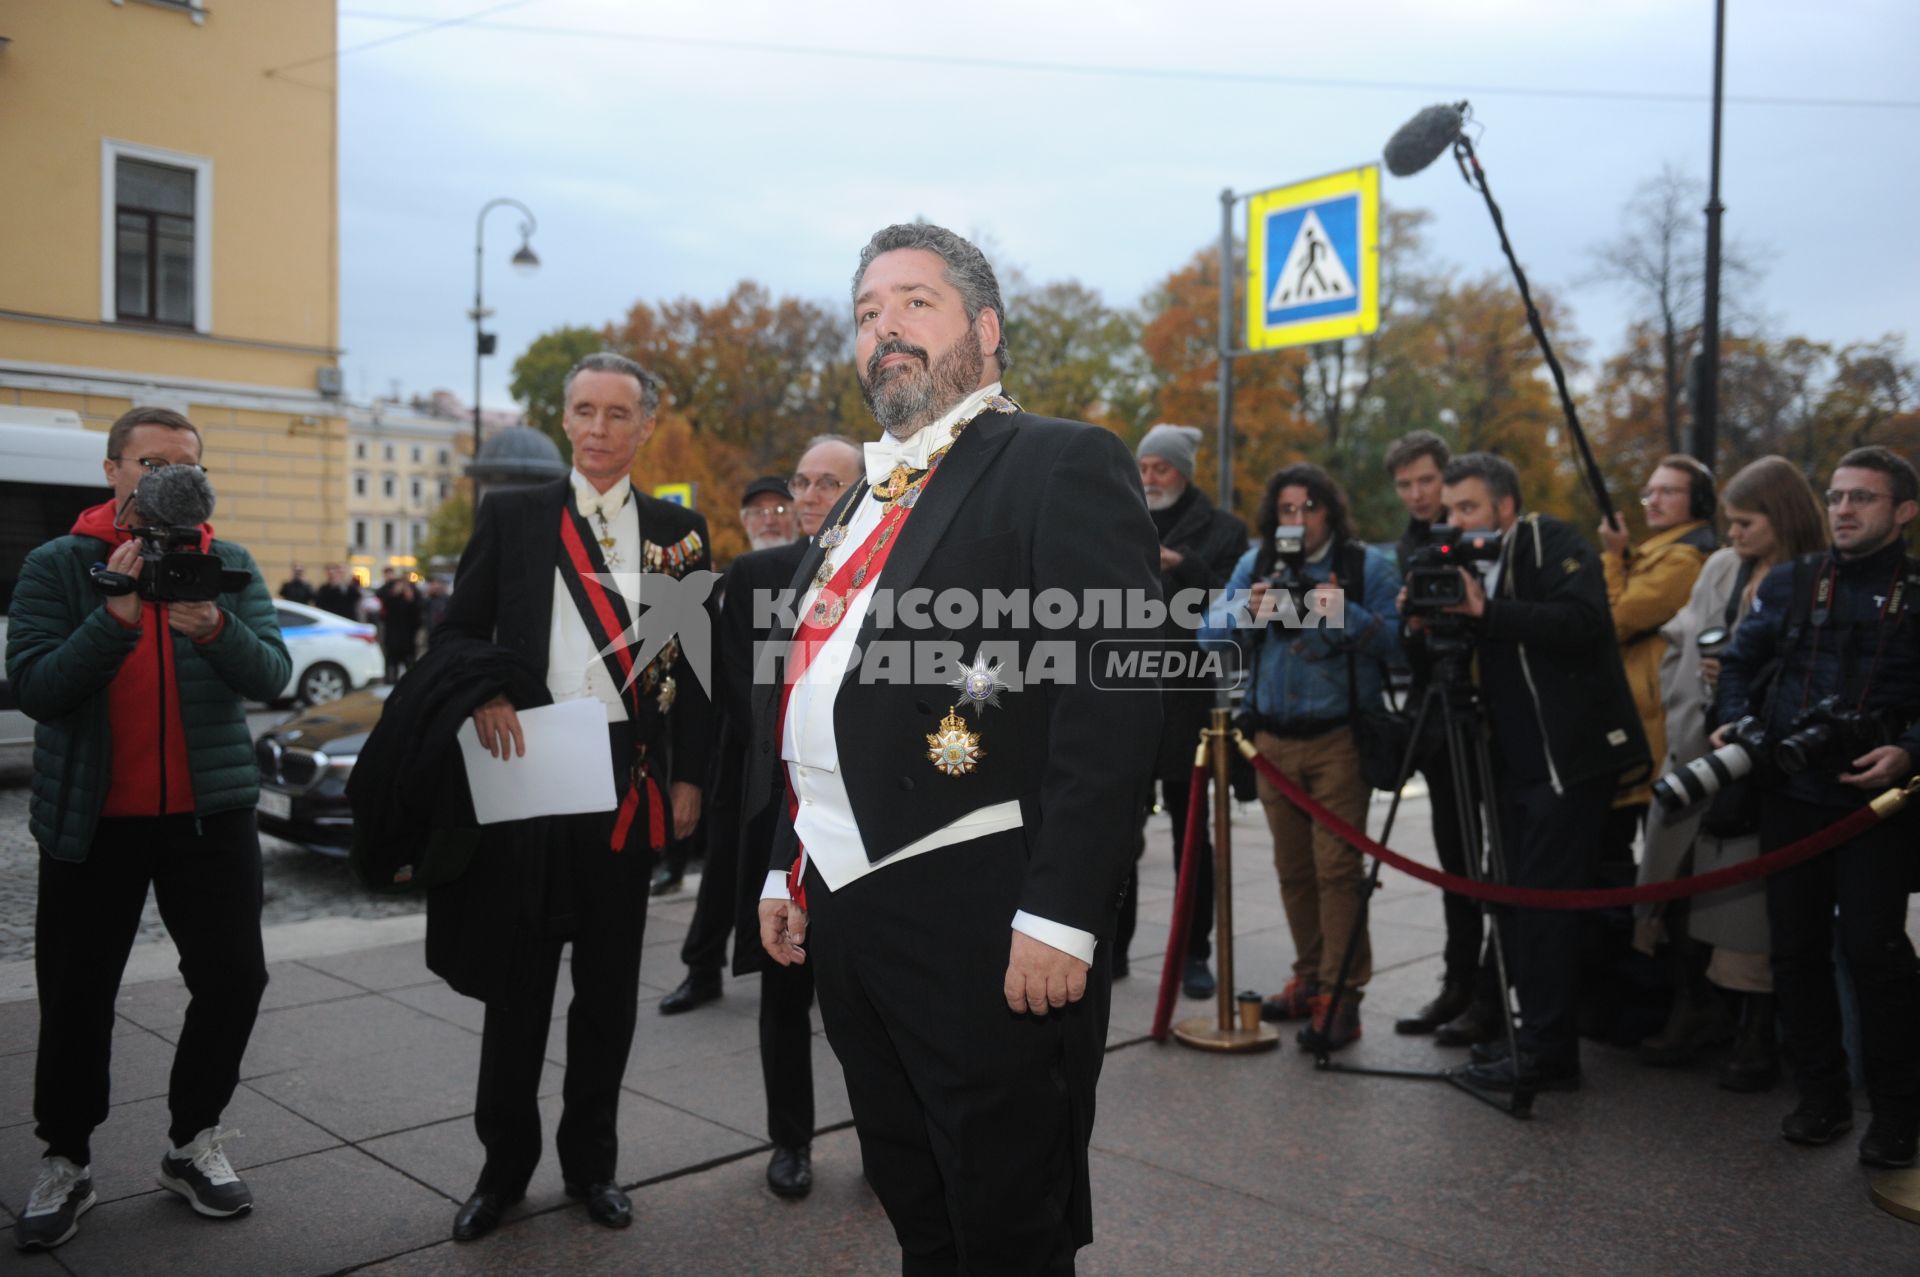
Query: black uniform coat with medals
[1026,503]
[504,593]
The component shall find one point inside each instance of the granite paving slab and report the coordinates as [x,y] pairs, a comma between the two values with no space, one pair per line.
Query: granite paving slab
[324,1213]
[161,1005]
[730,1089]
[393,966]
[142,1062]
[302,1037]
[128,1147]
[655,1140]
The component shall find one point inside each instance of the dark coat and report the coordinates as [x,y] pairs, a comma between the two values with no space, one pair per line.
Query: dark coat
[1837,657]
[1550,669]
[763,572]
[1210,542]
[503,593]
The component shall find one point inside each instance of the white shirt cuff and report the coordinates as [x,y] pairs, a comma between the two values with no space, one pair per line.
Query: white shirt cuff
[1069,940]
[776,886]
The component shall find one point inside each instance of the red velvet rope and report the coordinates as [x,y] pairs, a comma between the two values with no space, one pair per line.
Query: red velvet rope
[1172,969]
[1850,826]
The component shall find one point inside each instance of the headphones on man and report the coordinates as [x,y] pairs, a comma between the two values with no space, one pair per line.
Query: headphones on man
[1702,500]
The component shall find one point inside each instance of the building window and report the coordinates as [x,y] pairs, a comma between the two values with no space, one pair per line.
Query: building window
[359,534]
[360,450]
[359,485]
[419,536]
[445,489]
[416,454]
[156,231]
[445,457]
[386,535]
[386,485]
[416,491]
[386,452]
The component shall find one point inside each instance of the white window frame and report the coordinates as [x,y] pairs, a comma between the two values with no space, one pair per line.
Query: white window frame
[112,150]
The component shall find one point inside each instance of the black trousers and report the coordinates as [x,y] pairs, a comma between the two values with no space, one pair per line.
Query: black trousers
[1868,879]
[705,948]
[786,1052]
[1551,840]
[205,874]
[598,902]
[1465,926]
[973,1120]
[1174,792]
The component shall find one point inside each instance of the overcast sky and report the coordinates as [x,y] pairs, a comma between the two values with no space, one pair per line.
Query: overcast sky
[676,147]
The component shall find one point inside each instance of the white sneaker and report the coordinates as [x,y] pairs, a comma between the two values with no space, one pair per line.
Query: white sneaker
[201,1173]
[62,1194]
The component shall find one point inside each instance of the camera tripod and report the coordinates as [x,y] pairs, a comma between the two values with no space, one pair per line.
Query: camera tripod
[1463,718]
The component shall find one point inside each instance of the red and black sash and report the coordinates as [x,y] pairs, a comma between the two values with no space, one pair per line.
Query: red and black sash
[609,622]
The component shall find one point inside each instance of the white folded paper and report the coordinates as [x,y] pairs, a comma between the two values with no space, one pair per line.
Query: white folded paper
[567,767]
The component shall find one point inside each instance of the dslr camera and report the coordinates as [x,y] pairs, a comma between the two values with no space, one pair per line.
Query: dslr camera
[1289,575]
[174,501]
[1433,571]
[1825,738]
[1828,737]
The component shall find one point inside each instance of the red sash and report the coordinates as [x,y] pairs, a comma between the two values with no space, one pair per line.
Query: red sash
[606,618]
[812,634]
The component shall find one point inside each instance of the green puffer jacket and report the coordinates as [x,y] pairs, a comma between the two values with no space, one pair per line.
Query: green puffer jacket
[63,650]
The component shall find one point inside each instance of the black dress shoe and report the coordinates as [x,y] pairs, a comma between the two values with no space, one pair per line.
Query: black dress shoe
[481,1214]
[1819,1119]
[1534,1074]
[1455,996]
[1480,1022]
[606,1204]
[702,985]
[1890,1142]
[790,1173]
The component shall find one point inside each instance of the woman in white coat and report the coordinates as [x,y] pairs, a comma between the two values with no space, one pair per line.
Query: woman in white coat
[1720,940]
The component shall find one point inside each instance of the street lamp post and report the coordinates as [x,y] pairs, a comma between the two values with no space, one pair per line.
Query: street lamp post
[526,263]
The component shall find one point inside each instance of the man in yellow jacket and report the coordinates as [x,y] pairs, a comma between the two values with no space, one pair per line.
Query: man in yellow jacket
[1646,585]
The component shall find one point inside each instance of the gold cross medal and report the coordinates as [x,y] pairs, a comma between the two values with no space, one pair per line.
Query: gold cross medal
[953,749]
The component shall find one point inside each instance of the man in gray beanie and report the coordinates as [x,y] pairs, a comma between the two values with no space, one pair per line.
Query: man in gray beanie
[1198,547]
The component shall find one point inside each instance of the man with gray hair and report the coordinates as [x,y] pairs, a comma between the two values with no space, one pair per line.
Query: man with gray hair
[1198,547]
[547,581]
[956,848]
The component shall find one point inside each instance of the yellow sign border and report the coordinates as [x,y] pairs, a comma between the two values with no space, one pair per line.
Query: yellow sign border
[668,491]
[1364,181]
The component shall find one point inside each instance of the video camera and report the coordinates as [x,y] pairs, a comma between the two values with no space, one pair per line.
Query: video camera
[1433,579]
[1825,738]
[174,501]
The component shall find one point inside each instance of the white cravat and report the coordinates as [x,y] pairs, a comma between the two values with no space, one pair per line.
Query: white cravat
[824,822]
[574,666]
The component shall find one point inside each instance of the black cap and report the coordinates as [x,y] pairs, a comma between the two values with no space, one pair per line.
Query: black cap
[766,483]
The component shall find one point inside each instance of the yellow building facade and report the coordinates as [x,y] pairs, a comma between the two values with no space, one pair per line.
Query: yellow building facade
[171,237]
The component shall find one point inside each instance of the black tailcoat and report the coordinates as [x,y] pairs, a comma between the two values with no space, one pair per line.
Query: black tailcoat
[504,593]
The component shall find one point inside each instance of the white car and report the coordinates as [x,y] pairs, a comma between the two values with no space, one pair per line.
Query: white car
[331,655]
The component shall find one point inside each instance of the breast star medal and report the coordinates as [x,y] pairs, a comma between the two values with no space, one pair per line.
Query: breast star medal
[979,684]
[833,536]
[953,750]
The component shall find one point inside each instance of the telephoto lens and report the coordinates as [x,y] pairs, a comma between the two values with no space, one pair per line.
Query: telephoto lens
[1705,776]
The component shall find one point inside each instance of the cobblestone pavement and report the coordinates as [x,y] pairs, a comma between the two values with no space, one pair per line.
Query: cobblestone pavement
[300,884]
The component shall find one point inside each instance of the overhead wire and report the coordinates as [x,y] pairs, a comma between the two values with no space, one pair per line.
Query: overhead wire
[976,62]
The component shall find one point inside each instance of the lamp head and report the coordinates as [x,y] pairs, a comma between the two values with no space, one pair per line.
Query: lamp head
[524,261]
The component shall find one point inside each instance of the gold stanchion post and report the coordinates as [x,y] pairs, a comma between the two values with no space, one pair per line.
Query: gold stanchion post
[1222,1034]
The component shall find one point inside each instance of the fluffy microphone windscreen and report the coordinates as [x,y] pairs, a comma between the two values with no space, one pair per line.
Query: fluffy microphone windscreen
[1421,139]
[175,497]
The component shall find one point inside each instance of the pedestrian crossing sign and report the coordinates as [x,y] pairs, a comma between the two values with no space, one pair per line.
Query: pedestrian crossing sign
[1313,260]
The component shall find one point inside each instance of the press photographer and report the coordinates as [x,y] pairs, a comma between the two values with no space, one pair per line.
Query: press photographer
[1828,668]
[1565,735]
[134,643]
[1415,463]
[1305,688]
